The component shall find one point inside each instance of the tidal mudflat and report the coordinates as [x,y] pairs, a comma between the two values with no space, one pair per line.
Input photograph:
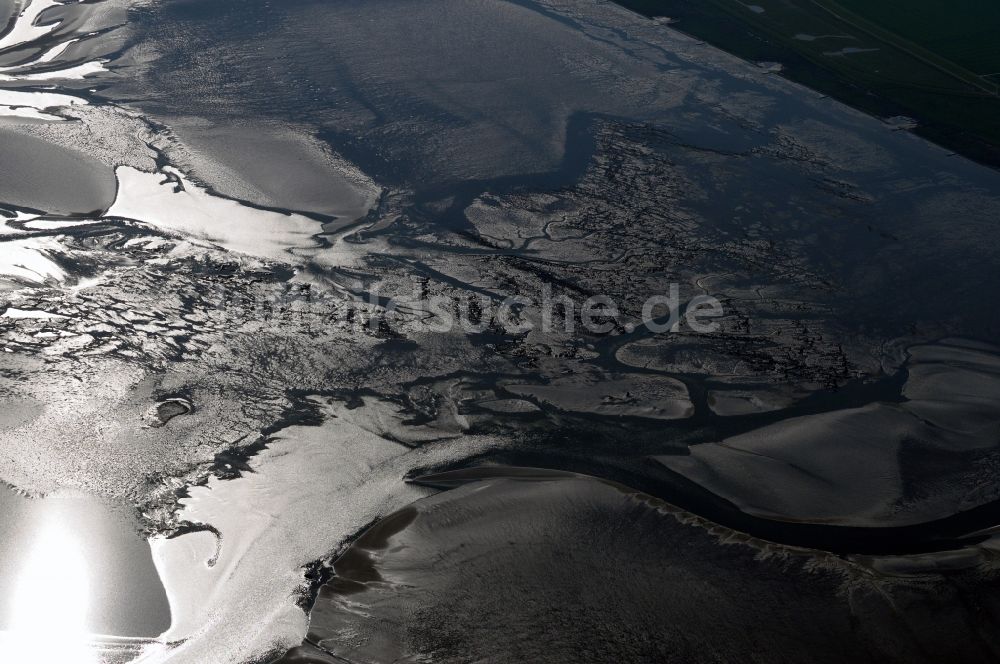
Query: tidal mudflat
[336,318]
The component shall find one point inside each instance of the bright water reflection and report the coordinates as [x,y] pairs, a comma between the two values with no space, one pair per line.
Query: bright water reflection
[50,605]
[77,582]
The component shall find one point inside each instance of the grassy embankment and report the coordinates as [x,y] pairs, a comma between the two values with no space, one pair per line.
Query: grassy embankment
[937,63]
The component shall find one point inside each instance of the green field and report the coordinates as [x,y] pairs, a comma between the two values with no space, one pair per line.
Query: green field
[933,61]
[960,47]
[965,32]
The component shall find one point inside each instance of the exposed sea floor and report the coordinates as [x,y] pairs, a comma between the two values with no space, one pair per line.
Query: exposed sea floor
[236,425]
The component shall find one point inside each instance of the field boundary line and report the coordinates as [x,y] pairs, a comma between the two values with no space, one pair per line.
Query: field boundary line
[942,64]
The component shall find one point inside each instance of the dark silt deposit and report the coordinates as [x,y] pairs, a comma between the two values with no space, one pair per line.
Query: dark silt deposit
[560,569]
[492,330]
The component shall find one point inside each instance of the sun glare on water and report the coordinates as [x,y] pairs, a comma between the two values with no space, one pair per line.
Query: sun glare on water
[51,602]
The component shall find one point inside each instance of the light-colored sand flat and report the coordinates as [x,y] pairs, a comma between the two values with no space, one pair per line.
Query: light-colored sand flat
[275,167]
[882,465]
[44,176]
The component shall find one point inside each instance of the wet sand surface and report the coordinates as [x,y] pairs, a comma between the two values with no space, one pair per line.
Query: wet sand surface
[559,569]
[279,168]
[41,176]
[195,327]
